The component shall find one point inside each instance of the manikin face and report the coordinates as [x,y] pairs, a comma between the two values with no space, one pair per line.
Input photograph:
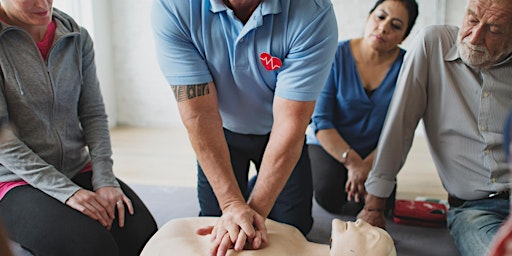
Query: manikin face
[386,25]
[485,37]
[360,238]
[28,13]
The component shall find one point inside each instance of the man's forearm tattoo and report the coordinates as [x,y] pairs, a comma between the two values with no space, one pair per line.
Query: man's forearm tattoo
[187,92]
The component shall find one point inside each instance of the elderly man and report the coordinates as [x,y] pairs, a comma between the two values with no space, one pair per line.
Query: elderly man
[459,81]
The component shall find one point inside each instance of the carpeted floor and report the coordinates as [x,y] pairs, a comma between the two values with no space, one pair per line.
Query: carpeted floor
[167,203]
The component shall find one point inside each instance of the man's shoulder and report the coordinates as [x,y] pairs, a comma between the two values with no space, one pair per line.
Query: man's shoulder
[307,6]
[321,3]
[435,38]
[180,6]
[446,32]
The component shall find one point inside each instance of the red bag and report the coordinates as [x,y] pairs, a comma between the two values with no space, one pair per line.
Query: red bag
[420,213]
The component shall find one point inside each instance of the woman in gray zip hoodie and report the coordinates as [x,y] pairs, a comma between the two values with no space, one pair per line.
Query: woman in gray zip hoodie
[59,195]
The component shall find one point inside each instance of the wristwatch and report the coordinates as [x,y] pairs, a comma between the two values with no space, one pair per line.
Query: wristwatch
[345,154]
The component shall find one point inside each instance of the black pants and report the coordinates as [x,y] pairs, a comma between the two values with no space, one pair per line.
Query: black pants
[46,226]
[294,203]
[329,179]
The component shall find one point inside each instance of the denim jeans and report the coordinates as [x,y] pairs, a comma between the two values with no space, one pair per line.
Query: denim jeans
[294,203]
[474,224]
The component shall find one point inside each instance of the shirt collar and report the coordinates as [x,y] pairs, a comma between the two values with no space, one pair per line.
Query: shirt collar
[452,54]
[217,6]
[267,6]
[505,61]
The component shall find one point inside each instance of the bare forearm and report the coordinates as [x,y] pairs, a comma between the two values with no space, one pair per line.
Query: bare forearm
[204,126]
[210,146]
[374,203]
[369,158]
[278,163]
[355,162]
[333,143]
[282,153]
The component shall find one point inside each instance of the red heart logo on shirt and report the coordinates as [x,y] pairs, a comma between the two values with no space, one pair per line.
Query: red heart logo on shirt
[270,62]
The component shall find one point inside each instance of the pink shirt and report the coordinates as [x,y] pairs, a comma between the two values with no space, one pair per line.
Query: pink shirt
[47,42]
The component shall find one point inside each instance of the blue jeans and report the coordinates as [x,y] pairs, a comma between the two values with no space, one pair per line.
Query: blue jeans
[474,224]
[294,203]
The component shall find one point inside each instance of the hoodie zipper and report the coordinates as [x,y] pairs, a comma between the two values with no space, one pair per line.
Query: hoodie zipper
[52,83]
[49,79]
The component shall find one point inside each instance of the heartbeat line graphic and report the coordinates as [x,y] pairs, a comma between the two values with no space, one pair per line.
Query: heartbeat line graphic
[270,62]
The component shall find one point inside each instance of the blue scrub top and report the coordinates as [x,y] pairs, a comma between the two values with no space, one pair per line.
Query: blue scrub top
[345,106]
[200,41]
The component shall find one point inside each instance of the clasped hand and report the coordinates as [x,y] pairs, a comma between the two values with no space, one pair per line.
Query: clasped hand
[101,205]
[239,227]
[358,171]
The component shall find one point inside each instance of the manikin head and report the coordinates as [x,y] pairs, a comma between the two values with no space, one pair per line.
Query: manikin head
[360,238]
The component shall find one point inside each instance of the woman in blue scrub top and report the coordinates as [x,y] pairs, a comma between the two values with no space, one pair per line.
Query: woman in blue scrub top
[351,109]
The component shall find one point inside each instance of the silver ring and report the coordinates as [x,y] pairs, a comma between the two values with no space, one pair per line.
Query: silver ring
[119,202]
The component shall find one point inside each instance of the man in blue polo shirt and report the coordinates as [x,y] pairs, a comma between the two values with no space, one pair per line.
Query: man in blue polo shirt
[246,75]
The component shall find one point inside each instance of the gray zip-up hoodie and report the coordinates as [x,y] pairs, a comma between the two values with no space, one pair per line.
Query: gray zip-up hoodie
[55,111]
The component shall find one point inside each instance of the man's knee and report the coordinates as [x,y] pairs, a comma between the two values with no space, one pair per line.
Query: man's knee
[472,230]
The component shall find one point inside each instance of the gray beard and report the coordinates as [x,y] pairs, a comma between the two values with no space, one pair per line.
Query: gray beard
[476,58]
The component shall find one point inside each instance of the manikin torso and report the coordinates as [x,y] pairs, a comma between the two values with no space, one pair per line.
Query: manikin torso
[359,238]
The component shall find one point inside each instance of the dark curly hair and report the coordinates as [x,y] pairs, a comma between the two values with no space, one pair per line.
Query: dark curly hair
[412,10]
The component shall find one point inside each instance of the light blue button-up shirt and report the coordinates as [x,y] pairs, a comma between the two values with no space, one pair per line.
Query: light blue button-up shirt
[463,109]
[200,41]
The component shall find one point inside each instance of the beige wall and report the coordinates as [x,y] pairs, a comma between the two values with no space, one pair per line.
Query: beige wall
[136,93]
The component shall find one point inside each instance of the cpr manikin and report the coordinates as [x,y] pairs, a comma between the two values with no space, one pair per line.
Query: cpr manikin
[359,238]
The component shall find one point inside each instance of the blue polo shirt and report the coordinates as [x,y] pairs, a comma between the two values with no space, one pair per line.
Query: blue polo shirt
[200,41]
[345,106]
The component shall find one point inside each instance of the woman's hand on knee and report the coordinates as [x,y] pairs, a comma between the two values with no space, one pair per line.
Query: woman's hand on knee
[117,200]
[92,205]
